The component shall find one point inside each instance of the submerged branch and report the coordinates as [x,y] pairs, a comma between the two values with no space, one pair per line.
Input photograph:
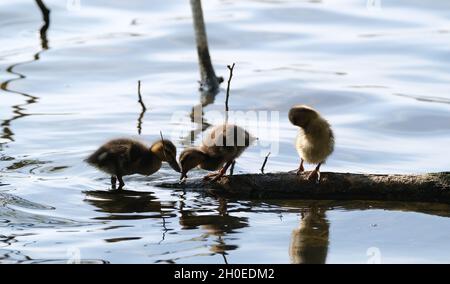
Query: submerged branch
[434,187]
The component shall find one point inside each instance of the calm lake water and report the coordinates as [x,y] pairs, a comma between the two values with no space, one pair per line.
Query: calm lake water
[378,71]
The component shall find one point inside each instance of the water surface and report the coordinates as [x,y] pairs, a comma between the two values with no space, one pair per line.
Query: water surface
[378,74]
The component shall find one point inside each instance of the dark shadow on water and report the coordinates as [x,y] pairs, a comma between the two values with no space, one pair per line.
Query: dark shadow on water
[218,226]
[19,110]
[128,204]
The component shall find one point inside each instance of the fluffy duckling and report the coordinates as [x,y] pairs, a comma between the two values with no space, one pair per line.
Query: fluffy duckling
[315,140]
[219,149]
[121,157]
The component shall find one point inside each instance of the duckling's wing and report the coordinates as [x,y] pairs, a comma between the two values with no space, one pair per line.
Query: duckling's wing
[229,141]
[109,154]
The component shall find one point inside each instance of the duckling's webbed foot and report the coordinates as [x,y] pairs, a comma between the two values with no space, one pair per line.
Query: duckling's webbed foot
[211,176]
[301,169]
[314,176]
[217,175]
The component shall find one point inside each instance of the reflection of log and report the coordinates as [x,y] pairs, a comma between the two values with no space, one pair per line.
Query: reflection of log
[336,186]
[434,209]
[209,79]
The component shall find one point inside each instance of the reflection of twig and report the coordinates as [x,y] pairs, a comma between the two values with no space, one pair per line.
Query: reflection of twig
[264,163]
[165,230]
[141,116]
[224,257]
[140,96]
[223,253]
[228,92]
[46,17]
[19,109]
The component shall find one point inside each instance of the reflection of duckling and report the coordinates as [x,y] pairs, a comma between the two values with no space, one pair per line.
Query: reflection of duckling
[121,157]
[310,241]
[315,141]
[220,148]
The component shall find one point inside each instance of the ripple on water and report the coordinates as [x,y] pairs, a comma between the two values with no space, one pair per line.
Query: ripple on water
[15,213]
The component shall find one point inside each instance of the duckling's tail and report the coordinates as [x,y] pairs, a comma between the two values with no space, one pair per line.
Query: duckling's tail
[96,158]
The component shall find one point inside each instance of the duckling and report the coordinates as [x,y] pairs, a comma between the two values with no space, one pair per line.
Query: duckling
[121,157]
[315,140]
[219,149]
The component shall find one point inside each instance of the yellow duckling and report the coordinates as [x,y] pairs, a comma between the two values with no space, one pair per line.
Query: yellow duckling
[121,157]
[315,140]
[219,149]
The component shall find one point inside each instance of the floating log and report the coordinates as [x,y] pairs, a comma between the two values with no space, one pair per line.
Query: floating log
[432,187]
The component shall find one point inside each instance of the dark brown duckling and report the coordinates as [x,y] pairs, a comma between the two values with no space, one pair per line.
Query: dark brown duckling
[121,157]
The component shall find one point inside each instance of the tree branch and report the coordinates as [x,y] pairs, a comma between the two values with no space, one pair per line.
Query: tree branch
[208,76]
[434,187]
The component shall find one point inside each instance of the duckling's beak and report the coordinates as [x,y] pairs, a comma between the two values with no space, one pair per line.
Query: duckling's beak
[183,177]
[173,163]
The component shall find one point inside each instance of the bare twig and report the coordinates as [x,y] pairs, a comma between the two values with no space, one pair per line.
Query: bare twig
[141,115]
[264,163]
[228,86]
[226,104]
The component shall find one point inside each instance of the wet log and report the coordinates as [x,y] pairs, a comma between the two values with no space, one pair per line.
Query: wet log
[432,187]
